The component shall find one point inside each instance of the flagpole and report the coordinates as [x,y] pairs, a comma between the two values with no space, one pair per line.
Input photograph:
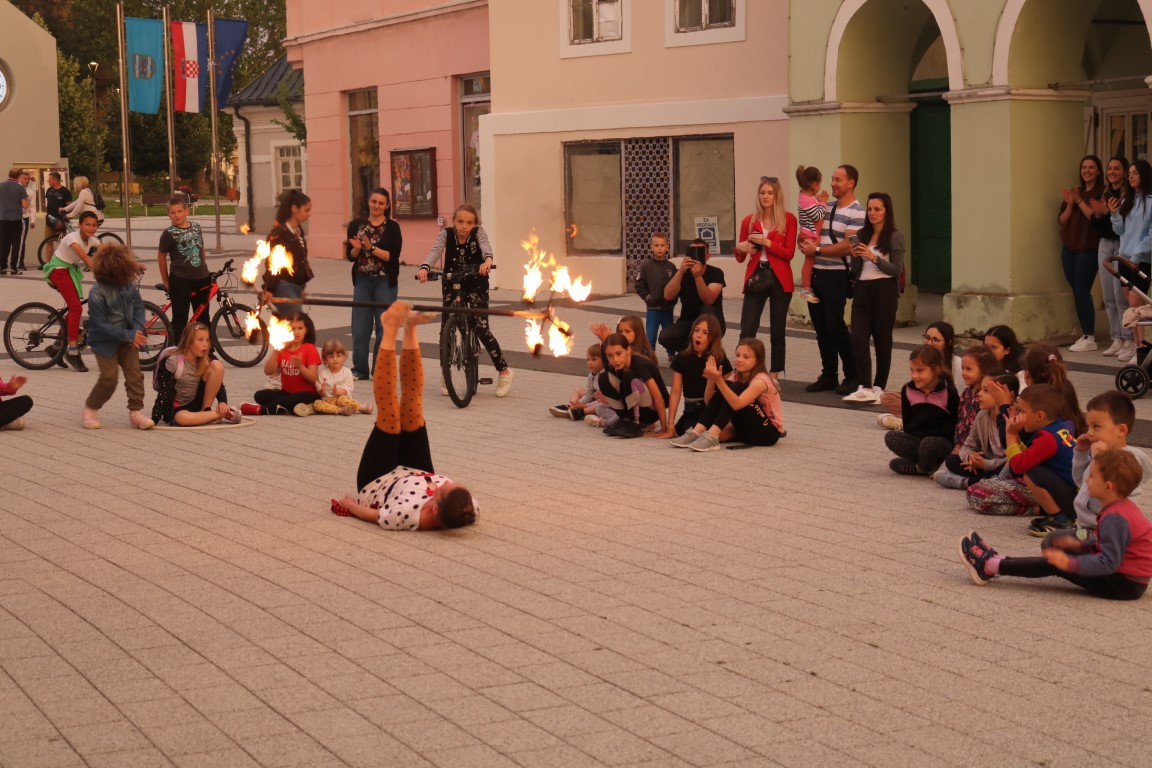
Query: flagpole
[168,101]
[126,189]
[215,128]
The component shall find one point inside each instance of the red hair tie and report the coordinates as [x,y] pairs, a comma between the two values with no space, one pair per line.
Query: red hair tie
[338,509]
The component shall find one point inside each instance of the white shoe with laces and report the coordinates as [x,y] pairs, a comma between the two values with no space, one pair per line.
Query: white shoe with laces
[1112,351]
[1128,353]
[1085,343]
[864,395]
[504,382]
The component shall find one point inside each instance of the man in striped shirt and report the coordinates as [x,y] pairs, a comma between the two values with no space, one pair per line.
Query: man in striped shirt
[845,217]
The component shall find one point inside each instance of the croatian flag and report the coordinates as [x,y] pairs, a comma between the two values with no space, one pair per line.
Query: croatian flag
[190,57]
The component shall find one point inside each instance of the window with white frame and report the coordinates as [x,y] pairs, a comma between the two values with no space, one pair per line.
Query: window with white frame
[697,15]
[594,27]
[594,21]
[288,168]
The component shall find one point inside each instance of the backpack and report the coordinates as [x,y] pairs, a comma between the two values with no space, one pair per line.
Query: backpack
[164,355]
[97,199]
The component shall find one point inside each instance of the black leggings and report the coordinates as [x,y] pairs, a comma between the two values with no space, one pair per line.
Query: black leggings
[953,464]
[273,398]
[476,295]
[751,311]
[1111,587]
[750,423]
[187,296]
[927,452]
[1062,492]
[13,408]
[385,451]
[874,306]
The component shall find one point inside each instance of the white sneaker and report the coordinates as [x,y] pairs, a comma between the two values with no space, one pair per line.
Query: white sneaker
[863,395]
[139,420]
[1113,350]
[504,383]
[1084,344]
[443,388]
[888,421]
[1128,353]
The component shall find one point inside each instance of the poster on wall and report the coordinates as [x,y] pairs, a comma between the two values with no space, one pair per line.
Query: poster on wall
[414,182]
[708,230]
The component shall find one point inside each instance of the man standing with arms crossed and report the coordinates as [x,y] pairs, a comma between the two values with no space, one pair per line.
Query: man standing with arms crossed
[29,216]
[845,217]
[13,201]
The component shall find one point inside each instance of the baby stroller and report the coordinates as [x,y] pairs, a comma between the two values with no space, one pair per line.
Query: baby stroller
[1134,378]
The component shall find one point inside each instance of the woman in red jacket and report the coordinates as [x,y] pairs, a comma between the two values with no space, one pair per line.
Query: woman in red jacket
[769,238]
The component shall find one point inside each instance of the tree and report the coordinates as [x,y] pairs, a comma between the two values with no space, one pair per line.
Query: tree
[293,121]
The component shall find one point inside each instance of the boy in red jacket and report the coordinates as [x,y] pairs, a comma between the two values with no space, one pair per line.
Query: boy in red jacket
[1115,564]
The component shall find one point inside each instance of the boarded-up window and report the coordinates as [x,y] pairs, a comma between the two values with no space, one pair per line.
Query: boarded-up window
[595,209]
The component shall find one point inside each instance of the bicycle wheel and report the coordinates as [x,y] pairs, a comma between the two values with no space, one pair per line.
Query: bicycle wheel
[47,249]
[105,237]
[230,340]
[158,332]
[460,372]
[35,336]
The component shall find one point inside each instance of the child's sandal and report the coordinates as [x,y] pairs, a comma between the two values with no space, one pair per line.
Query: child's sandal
[338,509]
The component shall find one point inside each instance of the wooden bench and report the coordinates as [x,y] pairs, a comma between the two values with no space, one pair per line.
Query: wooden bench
[149,199]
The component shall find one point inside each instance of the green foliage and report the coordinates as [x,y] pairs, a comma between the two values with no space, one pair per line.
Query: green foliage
[86,31]
[293,121]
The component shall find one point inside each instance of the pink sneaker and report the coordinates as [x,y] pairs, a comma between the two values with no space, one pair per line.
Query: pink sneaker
[90,418]
[140,421]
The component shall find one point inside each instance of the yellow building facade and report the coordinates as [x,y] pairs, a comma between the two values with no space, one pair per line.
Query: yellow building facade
[973,114]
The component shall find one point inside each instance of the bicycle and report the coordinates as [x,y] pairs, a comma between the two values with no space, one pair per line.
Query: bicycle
[36,335]
[228,327]
[459,346]
[57,228]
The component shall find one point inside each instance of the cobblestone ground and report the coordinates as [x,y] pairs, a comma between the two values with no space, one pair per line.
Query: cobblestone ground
[185,598]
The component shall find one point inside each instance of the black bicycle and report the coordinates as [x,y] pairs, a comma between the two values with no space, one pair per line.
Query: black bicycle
[36,335]
[57,228]
[459,345]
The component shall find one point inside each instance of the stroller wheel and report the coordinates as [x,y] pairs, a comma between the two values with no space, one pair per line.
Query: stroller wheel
[1132,380]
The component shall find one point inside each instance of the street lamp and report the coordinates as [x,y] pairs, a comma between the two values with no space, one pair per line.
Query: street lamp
[92,67]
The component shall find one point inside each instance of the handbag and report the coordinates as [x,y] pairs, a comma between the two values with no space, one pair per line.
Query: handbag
[762,279]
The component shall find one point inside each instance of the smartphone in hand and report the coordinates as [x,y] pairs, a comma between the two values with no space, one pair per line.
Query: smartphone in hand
[853,240]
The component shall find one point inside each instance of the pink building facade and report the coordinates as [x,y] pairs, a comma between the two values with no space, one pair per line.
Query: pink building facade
[394,90]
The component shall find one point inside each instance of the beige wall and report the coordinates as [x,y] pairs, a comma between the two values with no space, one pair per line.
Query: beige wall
[29,121]
[541,100]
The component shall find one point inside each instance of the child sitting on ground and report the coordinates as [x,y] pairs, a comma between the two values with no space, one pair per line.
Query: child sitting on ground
[655,273]
[188,381]
[1042,364]
[975,364]
[929,405]
[298,364]
[1115,564]
[12,411]
[116,334]
[1110,417]
[706,343]
[334,383]
[632,328]
[583,399]
[1043,461]
[982,453]
[631,385]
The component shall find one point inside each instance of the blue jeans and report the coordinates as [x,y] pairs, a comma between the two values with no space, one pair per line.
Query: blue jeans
[377,290]
[654,321]
[287,290]
[1080,272]
[1115,299]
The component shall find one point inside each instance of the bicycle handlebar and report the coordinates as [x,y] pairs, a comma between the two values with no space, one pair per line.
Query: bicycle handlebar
[467,270]
[213,276]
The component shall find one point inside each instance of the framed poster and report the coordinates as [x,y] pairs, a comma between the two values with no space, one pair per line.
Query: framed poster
[414,182]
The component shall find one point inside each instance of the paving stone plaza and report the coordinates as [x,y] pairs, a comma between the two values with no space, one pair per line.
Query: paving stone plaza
[187,599]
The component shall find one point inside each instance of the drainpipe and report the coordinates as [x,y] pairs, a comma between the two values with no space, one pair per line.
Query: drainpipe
[248,188]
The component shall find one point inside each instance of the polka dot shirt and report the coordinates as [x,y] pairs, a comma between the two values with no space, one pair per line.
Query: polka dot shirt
[400,495]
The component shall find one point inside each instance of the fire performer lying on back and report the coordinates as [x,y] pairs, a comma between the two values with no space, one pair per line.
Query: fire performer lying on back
[398,487]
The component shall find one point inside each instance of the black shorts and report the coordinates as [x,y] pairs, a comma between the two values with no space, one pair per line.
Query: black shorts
[1142,283]
[195,405]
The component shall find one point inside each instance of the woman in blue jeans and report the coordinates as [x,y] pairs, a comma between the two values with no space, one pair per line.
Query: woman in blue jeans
[1080,242]
[373,247]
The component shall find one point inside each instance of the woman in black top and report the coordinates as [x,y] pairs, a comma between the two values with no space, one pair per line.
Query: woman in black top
[295,208]
[373,247]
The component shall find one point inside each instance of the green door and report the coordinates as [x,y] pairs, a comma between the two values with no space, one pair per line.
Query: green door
[931,164]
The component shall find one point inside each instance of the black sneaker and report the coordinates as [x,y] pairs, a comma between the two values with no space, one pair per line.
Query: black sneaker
[1042,526]
[975,558]
[560,411]
[978,541]
[821,384]
[576,414]
[77,362]
[847,387]
[904,467]
[624,428]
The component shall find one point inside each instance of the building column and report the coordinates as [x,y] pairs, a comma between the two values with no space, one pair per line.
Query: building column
[1013,150]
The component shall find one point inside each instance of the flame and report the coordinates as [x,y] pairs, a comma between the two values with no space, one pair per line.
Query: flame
[252,325]
[280,261]
[245,229]
[561,282]
[572,231]
[279,333]
[252,267]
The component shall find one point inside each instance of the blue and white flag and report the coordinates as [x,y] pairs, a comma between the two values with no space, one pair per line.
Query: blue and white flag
[145,60]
